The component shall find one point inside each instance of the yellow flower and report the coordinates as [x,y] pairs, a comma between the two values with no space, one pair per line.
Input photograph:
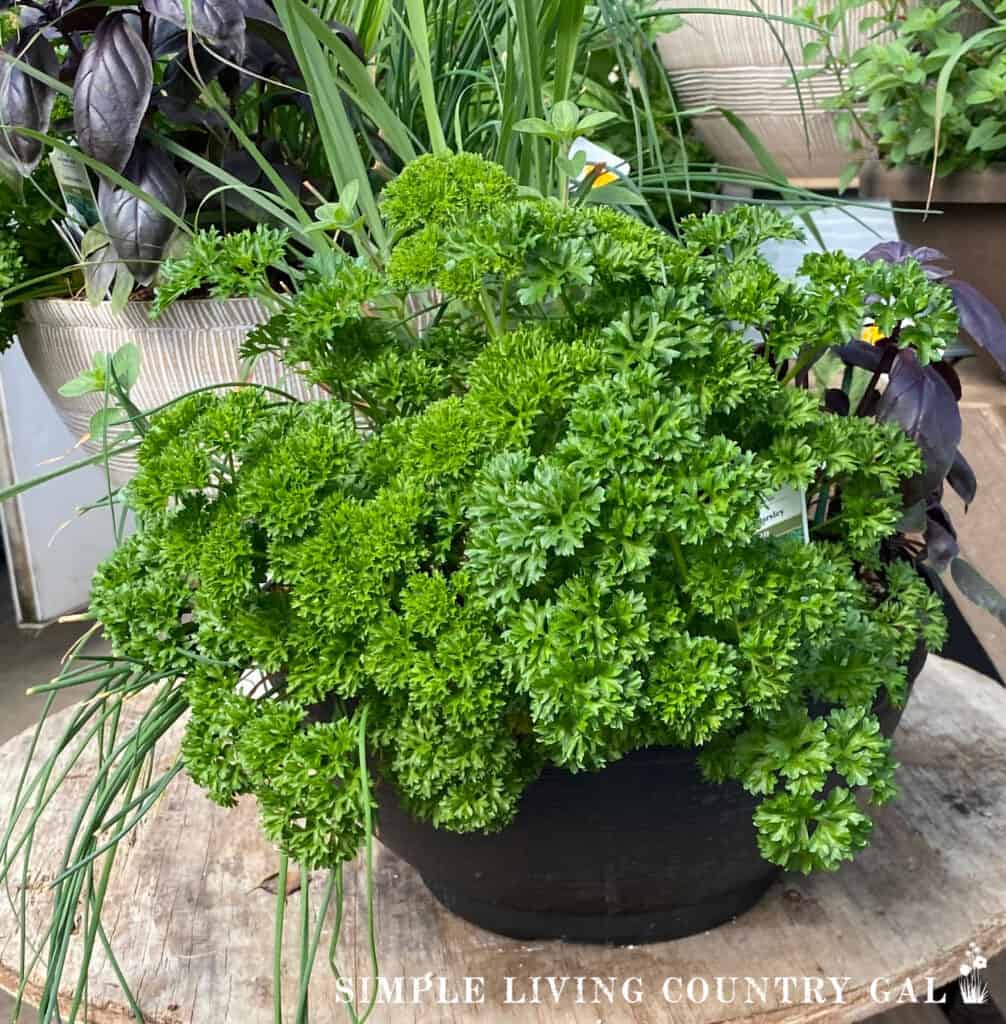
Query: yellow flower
[871,333]
[606,177]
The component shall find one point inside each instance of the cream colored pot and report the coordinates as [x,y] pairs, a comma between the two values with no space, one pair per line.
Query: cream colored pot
[190,345]
[739,64]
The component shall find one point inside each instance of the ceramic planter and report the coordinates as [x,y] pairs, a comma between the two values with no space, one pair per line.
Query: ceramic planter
[192,344]
[740,64]
[968,222]
[641,851]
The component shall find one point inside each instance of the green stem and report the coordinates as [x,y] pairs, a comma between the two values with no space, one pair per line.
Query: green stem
[679,558]
[822,504]
[307,967]
[305,943]
[277,953]
[487,314]
[368,824]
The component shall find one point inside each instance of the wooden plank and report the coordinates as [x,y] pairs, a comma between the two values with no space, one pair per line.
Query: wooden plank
[980,530]
[923,1014]
[192,925]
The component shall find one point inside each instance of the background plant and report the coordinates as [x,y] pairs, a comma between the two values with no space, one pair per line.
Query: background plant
[927,92]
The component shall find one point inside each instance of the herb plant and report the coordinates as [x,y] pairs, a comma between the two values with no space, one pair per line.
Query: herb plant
[523,531]
[537,543]
[927,91]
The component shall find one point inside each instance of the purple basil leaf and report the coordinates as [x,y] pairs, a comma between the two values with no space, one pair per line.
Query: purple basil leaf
[913,519]
[976,588]
[962,479]
[112,92]
[218,23]
[920,401]
[25,102]
[259,10]
[137,231]
[180,113]
[889,252]
[84,16]
[862,354]
[981,319]
[941,539]
[836,401]
[181,83]
[949,374]
[898,252]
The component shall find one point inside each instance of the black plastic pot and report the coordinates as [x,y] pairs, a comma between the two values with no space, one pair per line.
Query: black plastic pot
[641,851]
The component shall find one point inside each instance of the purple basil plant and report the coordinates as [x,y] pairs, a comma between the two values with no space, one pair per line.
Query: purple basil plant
[923,400]
[141,107]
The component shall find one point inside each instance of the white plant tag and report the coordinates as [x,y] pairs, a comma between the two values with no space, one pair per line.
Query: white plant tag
[784,514]
[71,176]
[596,155]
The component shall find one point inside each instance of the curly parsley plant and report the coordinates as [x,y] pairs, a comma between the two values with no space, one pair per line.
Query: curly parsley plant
[526,532]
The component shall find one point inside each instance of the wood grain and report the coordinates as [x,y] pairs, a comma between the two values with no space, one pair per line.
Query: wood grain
[192,925]
[983,410]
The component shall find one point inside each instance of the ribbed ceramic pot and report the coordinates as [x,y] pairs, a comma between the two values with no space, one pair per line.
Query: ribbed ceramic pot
[191,344]
[740,64]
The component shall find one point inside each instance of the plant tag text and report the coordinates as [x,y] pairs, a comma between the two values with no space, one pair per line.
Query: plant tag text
[784,514]
[71,176]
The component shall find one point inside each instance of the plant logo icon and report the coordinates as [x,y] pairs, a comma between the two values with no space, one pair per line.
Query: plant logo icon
[972,985]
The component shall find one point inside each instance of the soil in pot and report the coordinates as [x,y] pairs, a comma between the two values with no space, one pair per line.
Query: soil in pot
[642,851]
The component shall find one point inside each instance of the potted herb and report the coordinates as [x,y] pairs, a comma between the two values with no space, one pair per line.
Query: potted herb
[926,100]
[531,568]
[109,99]
[742,70]
[149,145]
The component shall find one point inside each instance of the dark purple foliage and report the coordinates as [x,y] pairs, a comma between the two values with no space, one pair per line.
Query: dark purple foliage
[919,400]
[979,317]
[25,102]
[111,92]
[137,231]
[109,51]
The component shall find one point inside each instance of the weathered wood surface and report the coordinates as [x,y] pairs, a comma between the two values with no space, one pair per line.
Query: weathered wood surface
[983,409]
[192,926]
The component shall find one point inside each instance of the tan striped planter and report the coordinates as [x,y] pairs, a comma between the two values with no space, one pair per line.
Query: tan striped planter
[738,63]
[190,345]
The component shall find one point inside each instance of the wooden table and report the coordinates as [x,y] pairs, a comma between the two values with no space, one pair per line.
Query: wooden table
[192,925]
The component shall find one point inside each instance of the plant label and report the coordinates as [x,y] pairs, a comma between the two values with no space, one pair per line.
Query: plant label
[784,514]
[611,167]
[71,176]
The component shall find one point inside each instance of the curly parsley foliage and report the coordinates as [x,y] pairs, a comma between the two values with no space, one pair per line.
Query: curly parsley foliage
[547,553]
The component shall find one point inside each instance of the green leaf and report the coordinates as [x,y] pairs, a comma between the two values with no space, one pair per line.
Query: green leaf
[614,194]
[573,166]
[89,381]
[122,288]
[94,239]
[535,126]
[922,140]
[126,365]
[812,50]
[848,173]
[565,117]
[104,419]
[595,119]
[986,135]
